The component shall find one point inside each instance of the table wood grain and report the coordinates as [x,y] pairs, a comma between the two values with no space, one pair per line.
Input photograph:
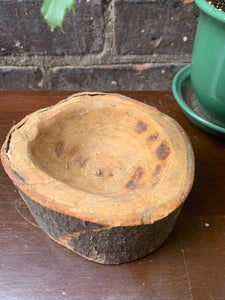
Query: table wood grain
[189,265]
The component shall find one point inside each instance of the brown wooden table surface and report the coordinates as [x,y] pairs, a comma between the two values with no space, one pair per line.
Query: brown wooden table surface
[189,265]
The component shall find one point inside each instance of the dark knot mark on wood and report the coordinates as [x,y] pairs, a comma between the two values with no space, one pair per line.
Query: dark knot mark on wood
[82,161]
[131,185]
[74,150]
[153,137]
[141,127]
[110,174]
[155,175]
[59,149]
[163,151]
[157,170]
[134,183]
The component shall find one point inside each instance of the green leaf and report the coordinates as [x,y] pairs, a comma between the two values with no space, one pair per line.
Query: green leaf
[54,11]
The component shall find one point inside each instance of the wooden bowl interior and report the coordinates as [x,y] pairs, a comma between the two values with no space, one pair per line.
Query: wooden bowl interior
[104,148]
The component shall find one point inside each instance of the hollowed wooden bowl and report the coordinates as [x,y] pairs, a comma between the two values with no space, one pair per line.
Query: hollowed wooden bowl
[102,174]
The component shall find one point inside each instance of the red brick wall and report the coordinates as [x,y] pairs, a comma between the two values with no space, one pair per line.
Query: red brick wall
[108,45]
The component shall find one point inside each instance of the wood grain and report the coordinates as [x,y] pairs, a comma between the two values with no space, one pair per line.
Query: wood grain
[190,265]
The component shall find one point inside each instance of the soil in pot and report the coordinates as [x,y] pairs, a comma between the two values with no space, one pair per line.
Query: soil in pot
[219,4]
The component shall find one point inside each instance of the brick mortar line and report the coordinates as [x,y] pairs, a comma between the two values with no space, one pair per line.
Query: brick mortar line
[90,60]
[45,82]
[107,13]
[107,56]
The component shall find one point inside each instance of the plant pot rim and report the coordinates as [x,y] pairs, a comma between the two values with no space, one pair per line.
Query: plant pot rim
[210,10]
[182,78]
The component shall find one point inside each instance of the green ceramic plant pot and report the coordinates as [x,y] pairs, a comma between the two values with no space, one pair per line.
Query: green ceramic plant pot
[208,61]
